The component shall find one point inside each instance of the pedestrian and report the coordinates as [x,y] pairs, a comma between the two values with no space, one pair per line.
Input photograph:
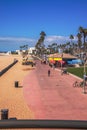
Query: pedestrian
[49,72]
[41,61]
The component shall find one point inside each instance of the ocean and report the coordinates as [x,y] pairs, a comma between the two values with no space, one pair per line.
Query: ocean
[8,46]
[12,45]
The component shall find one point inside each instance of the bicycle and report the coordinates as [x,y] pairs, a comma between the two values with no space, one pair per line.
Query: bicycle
[64,71]
[79,84]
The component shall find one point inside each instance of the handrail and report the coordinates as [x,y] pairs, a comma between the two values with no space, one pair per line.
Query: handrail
[69,124]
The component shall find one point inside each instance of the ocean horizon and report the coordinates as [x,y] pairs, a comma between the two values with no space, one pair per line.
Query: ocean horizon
[5,47]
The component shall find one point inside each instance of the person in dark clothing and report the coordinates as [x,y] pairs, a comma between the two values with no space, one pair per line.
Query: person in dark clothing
[48,72]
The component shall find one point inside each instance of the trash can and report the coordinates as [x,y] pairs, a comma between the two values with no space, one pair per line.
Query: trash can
[4,114]
[16,84]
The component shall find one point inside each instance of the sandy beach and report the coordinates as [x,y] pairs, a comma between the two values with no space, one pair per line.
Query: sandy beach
[5,60]
[11,98]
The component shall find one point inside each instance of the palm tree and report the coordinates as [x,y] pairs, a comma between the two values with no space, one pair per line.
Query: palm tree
[79,36]
[83,32]
[68,46]
[42,37]
[24,47]
[72,48]
[43,33]
[54,47]
[71,37]
[40,43]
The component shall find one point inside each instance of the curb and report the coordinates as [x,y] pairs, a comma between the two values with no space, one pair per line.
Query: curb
[71,75]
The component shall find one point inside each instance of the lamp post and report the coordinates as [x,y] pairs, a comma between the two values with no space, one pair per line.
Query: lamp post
[84,78]
[61,61]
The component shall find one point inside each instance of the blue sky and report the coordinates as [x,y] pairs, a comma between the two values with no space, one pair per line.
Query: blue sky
[21,21]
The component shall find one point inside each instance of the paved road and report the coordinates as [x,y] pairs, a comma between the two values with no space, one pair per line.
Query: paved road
[54,97]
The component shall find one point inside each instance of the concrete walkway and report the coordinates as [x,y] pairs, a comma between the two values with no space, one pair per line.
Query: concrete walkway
[54,97]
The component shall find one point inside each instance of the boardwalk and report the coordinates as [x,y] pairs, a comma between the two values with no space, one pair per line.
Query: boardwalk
[54,97]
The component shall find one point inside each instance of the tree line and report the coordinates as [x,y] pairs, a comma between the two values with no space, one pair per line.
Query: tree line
[69,47]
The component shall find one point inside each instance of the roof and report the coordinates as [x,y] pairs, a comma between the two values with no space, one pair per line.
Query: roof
[64,55]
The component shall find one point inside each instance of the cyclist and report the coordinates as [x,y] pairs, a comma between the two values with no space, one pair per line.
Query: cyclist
[64,71]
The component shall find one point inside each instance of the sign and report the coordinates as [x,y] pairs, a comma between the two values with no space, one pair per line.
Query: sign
[55,58]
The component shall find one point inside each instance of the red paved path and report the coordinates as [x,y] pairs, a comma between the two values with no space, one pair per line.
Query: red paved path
[54,97]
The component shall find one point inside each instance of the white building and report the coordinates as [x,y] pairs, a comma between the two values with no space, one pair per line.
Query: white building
[31,50]
[18,51]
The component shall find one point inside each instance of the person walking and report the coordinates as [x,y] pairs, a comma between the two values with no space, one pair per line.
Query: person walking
[49,72]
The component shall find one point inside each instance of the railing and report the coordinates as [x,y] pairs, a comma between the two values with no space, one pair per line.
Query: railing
[64,124]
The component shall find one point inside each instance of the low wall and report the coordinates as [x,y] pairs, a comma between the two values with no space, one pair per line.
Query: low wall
[7,68]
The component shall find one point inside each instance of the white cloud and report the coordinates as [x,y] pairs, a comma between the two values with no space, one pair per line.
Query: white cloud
[58,39]
[16,42]
[55,38]
[49,39]
[16,39]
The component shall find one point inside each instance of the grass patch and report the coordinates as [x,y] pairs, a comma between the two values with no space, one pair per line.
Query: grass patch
[77,71]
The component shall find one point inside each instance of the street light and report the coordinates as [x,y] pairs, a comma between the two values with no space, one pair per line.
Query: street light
[61,61]
[84,78]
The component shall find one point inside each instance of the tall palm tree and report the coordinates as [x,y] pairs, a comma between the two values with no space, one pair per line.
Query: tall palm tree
[72,37]
[43,33]
[68,46]
[40,44]
[83,32]
[42,37]
[79,36]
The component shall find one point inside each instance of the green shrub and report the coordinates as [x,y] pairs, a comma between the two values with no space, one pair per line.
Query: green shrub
[77,71]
